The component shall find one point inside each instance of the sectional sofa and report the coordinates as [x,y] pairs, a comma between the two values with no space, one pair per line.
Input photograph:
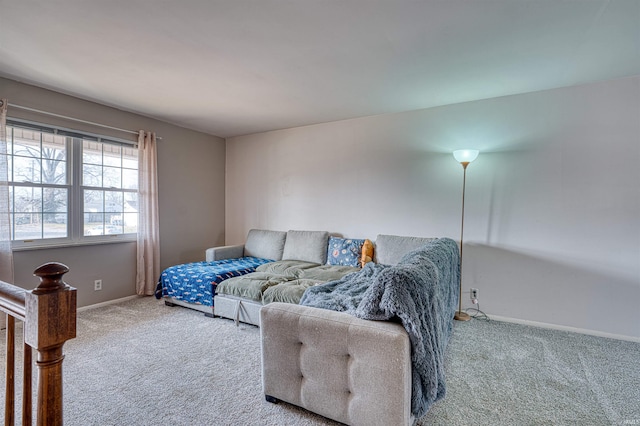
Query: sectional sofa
[271,266]
[328,356]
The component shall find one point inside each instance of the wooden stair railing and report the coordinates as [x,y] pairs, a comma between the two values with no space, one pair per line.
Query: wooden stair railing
[49,316]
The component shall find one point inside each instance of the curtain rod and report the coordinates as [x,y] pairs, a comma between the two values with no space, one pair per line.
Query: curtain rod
[133,132]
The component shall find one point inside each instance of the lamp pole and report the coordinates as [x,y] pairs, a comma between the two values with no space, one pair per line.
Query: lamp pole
[462,316]
[464,157]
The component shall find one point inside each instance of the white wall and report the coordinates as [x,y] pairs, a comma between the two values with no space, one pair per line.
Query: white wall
[191,195]
[552,229]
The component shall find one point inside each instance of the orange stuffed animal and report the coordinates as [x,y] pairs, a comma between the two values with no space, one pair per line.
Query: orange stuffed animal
[367,253]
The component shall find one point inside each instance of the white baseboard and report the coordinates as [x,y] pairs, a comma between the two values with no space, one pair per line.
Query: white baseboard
[565,328]
[107,303]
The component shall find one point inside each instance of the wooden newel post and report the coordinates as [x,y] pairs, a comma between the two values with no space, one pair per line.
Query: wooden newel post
[50,322]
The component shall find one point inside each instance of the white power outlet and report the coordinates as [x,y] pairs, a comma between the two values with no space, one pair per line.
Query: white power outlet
[97,285]
[473,293]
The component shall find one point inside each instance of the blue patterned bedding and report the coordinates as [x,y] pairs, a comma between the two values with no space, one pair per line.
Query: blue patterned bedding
[195,282]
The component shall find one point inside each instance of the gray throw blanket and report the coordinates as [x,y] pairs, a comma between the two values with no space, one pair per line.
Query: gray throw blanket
[421,291]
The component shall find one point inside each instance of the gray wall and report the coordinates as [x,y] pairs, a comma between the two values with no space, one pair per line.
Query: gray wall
[191,195]
[552,229]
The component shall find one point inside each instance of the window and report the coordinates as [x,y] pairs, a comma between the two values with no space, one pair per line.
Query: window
[67,187]
[109,188]
[39,189]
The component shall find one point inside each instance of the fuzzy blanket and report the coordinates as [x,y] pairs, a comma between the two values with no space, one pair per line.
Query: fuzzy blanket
[421,291]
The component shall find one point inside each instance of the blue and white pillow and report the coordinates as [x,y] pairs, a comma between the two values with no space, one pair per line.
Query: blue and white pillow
[344,252]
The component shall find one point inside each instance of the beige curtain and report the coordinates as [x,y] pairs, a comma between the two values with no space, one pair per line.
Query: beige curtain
[6,255]
[148,270]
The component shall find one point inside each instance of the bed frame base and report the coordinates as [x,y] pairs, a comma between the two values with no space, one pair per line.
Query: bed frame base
[206,310]
[239,310]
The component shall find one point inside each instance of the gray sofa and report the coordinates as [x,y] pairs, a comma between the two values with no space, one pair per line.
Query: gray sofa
[352,370]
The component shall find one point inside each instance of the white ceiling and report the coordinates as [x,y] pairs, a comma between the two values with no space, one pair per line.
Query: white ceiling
[234,67]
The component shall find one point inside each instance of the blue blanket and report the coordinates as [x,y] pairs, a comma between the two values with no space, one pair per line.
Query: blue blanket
[421,291]
[195,282]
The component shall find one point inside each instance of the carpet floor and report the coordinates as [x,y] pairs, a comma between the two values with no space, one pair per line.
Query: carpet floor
[142,363]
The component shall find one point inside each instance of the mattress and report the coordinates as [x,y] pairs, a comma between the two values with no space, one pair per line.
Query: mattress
[240,298]
[282,281]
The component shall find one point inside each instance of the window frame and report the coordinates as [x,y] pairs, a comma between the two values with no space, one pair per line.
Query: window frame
[74,184]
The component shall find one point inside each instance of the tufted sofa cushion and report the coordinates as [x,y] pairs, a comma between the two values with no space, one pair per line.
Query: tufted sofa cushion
[347,369]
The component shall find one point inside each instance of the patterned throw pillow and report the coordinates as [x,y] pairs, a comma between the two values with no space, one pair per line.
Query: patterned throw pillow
[344,252]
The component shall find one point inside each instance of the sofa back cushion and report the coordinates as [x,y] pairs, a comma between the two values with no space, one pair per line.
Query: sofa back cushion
[265,244]
[391,248]
[309,246]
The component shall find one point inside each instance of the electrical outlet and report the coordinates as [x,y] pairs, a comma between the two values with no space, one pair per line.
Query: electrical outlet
[97,285]
[473,293]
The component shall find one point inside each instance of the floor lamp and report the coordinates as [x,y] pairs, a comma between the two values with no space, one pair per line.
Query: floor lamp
[464,157]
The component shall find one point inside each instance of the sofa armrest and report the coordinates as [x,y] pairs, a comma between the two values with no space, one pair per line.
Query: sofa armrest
[351,370]
[224,252]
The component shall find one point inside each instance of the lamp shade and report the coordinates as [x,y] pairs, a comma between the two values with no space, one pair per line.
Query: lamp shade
[465,155]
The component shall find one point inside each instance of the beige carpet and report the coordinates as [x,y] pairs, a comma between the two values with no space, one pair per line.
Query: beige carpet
[142,363]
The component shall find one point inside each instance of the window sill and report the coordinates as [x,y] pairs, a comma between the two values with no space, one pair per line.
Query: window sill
[60,245]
